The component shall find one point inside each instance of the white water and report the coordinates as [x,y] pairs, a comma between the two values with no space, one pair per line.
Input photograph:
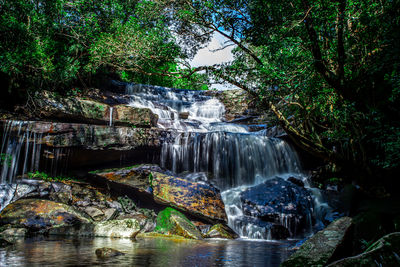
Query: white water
[20,149]
[202,111]
[111,116]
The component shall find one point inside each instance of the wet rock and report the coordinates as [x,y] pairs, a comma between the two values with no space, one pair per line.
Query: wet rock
[258,229]
[77,109]
[172,222]
[140,117]
[92,137]
[107,252]
[384,252]
[183,115]
[323,247]
[296,181]
[12,192]
[126,228]
[38,215]
[15,232]
[147,182]
[110,214]
[134,176]
[280,202]
[95,213]
[221,231]
[200,199]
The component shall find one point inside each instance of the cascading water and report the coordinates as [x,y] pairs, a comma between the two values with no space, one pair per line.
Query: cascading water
[183,110]
[24,143]
[22,152]
[227,155]
[231,159]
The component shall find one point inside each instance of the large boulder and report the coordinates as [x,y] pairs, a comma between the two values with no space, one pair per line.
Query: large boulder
[40,215]
[198,199]
[172,222]
[280,202]
[323,247]
[53,106]
[384,252]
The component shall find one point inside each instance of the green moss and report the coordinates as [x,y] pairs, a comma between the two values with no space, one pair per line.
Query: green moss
[115,169]
[45,177]
[164,223]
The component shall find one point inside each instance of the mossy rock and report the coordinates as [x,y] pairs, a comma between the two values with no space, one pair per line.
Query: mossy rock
[198,199]
[39,214]
[221,231]
[323,247]
[172,222]
[384,252]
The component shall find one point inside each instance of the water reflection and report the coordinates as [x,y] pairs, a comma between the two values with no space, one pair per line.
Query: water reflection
[146,252]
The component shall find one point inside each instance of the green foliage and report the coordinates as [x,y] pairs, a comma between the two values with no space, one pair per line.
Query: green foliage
[5,159]
[329,69]
[66,44]
[46,177]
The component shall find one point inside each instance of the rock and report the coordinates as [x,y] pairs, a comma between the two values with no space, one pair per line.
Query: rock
[172,222]
[12,235]
[91,137]
[39,214]
[110,214]
[95,213]
[77,109]
[134,176]
[126,228]
[384,252]
[200,199]
[259,229]
[296,181]
[221,231]
[12,192]
[139,117]
[107,252]
[14,232]
[280,202]
[323,247]
[146,182]
[183,115]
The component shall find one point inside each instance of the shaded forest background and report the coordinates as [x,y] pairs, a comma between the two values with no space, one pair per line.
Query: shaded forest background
[328,70]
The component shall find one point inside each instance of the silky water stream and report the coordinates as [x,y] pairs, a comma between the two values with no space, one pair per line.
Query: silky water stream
[206,149]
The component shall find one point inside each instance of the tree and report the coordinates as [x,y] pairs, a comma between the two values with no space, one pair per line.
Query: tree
[328,70]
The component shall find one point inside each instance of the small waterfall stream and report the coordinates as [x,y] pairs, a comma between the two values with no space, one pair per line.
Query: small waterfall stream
[24,143]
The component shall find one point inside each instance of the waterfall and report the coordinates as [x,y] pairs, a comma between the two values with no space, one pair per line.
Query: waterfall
[111,116]
[183,110]
[231,159]
[20,150]
[227,155]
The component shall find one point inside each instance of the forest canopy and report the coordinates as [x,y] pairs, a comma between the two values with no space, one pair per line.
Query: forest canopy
[328,70]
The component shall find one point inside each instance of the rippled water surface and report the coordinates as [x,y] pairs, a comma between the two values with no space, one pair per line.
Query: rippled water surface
[149,252]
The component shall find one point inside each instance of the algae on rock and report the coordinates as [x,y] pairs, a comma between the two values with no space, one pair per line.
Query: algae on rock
[171,221]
